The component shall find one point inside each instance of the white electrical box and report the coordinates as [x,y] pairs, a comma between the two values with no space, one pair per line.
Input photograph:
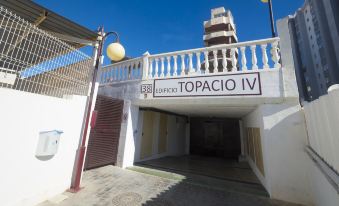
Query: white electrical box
[48,143]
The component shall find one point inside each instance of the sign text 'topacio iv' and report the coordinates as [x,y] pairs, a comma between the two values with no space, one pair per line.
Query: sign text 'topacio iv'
[216,85]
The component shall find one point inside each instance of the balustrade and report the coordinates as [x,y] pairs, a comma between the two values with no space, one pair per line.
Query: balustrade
[227,58]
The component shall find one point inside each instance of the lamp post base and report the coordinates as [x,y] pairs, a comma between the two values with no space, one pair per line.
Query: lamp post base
[75,186]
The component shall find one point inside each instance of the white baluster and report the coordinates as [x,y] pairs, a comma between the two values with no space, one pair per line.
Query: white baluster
[254,57]
[234,59]
[150,70]
[102,77]
[133,69]
[275,55]
[107,75]
[243,58]
[128,71]
[168,73]
[175,65]
[190,63]
[156,68]
[264,56]
[162,74]
[207,64]
[224,60]
[215,61]
[123,72]
[198,62]
[102,72]
[145,66]
[125,69]
[105,80]
[116,74]
[111,74]
[182,64]
[119,73]
[140,69]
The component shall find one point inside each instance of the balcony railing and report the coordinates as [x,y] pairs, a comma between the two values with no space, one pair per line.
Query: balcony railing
[221,59]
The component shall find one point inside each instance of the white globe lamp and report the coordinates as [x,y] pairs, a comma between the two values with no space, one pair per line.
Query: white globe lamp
[115,51]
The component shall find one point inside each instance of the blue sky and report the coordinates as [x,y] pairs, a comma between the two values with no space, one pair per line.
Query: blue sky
[162,26]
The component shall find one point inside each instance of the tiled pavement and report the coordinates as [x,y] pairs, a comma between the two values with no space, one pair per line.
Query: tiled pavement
[118,187]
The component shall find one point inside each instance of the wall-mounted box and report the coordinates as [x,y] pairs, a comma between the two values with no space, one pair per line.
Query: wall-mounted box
[48,143]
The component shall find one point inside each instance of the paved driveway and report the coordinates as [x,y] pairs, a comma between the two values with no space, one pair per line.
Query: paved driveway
[117,187]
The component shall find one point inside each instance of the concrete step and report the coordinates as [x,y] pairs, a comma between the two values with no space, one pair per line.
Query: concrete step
[205,181]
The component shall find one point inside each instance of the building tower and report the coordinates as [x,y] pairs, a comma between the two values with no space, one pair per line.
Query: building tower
[220,29]
[314,32]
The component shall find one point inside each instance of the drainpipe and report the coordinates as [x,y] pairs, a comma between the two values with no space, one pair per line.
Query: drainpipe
[80,153]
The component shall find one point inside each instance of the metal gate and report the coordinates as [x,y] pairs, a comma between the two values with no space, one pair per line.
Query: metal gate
[104,137]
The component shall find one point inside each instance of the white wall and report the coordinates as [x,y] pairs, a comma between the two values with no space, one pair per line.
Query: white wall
[322,117]
[283,137]
[254,120]
[285,140]
[290,87]
[24,179]
[176,137]
[323,192]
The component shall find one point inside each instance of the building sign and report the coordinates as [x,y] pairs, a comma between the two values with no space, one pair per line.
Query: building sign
[216,85]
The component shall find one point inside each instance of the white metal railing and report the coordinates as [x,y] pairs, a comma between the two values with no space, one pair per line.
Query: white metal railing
[32,60]
[226,58]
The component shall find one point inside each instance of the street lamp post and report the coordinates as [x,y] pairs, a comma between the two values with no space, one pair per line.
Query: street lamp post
[116,52]
[270,7]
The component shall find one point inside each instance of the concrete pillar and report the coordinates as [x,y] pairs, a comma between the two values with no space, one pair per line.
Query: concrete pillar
[288,69]
[128,135]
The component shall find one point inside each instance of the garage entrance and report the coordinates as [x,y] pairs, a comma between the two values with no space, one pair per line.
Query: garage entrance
[104,136]
[215,137]
[209,154]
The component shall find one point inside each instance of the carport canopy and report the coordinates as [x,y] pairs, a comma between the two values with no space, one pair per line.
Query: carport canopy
[47,20]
